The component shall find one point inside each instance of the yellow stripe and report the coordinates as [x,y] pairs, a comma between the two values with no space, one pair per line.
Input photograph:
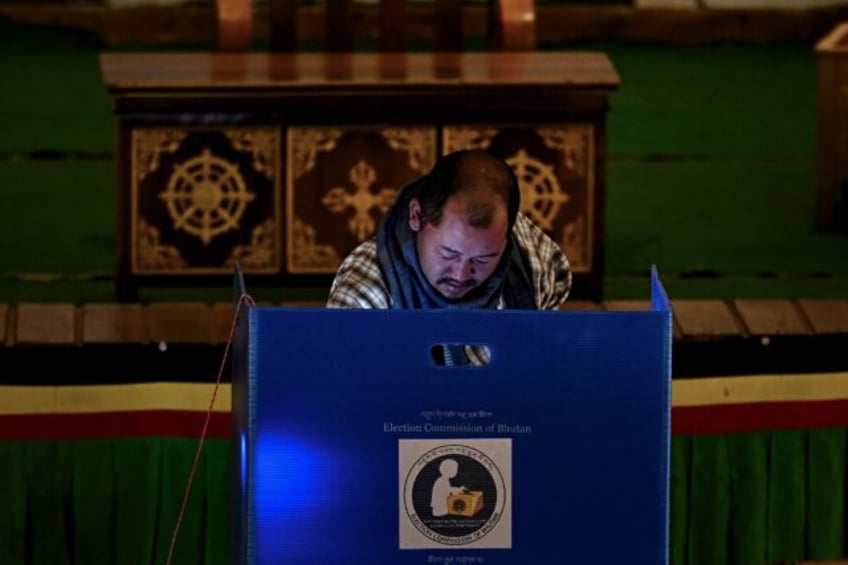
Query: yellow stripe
[112,398]
[759,388]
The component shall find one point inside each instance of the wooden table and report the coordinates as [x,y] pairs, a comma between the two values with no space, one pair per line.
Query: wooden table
[285,162]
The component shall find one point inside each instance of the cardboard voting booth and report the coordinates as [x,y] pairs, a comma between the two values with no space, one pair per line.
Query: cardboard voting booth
[352,445]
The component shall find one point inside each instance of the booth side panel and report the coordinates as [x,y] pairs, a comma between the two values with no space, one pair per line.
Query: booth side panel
[571,416]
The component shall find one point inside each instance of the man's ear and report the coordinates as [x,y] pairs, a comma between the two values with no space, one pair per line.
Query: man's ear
[414,215]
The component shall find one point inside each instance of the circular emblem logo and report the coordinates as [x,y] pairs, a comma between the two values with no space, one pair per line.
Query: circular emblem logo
[206,196]
[454,494]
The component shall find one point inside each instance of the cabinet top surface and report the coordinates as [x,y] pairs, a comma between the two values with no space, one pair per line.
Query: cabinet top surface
[128,72]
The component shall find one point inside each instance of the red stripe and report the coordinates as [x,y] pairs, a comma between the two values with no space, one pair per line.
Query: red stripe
[758,416]
[98,425]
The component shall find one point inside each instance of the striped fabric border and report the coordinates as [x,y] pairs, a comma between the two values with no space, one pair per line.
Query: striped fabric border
[719,405]
[127,410]
[113,398]
[714,405]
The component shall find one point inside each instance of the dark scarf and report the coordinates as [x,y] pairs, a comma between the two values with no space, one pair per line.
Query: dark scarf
[409,288]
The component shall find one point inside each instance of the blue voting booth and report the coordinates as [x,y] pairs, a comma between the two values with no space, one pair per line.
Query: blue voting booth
[353,445]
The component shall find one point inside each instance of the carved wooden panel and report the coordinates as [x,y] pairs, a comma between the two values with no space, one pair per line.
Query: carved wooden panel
[341,180]
[202,198]
[555,166]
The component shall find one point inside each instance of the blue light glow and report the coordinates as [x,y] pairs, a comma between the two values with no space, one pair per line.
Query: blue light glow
[243,460]
[288,472]
[291,473]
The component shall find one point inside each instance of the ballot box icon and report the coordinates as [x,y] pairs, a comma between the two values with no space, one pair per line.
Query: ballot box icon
[466,503]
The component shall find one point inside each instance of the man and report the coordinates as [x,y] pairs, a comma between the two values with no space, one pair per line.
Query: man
[454,238]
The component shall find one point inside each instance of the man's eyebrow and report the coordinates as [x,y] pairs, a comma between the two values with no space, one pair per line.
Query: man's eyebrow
[454,251]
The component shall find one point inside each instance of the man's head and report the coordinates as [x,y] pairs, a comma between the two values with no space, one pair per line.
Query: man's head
[462,215]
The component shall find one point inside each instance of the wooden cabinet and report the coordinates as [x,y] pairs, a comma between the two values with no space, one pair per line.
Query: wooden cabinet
[286,162]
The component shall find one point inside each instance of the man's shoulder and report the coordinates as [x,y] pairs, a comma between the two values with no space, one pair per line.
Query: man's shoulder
[527,232]
[359,280]
[362,262]
[549,266]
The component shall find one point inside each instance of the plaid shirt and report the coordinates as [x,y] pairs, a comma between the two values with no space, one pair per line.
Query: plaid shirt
[359,281]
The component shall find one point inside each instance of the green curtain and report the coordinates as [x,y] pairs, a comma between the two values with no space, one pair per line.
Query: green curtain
[113,501]
[757,498]
[737,499]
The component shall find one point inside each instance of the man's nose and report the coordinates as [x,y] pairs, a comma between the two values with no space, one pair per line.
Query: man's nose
[466,270]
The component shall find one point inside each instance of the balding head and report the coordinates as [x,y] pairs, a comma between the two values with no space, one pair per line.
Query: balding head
[483,181]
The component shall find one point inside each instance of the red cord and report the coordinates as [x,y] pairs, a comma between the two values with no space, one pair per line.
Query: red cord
[243,298]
